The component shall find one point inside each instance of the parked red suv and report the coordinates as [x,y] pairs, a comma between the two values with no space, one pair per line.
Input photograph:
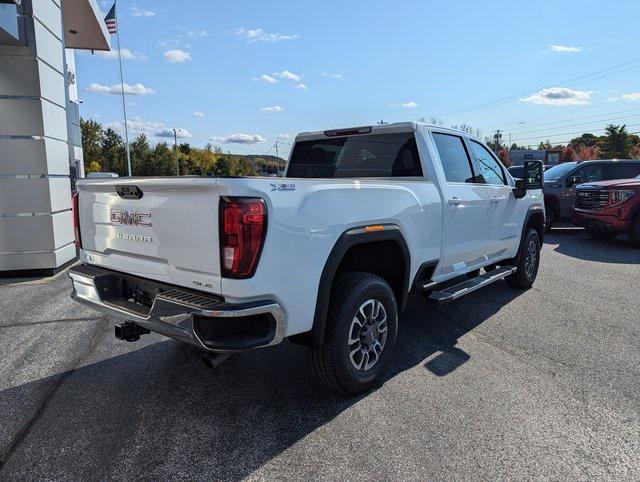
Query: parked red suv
[608,208]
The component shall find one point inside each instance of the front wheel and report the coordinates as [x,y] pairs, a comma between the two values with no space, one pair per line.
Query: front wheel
[360,334]
[550,218]
[528,263]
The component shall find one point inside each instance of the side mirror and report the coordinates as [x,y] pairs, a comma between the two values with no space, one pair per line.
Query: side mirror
[533,175]
[573,180]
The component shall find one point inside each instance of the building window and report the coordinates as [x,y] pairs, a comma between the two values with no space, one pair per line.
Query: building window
[9,23]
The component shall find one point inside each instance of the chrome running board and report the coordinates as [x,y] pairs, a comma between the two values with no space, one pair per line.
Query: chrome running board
[469,286]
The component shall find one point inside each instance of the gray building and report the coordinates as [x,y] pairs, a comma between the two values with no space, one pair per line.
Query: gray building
[40,145]
[549,156]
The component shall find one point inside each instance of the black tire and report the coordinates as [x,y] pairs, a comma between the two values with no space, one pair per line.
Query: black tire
[332,363]
[526,273]
[602,235]
[550,218]
[634,234]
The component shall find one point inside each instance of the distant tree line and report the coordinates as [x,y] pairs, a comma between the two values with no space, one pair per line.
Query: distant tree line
[104,151]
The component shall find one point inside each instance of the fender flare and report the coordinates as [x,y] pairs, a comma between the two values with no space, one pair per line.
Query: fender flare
[533,210]
[350,238]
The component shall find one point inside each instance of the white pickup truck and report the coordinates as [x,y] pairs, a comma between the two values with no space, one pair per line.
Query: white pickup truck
[325,257]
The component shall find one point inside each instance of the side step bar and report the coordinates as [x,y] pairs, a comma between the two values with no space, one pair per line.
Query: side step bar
[456,291]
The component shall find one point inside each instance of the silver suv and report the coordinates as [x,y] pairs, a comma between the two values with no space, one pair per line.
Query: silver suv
[560,182]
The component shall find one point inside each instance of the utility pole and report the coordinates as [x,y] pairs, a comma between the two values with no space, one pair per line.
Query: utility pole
[497,140]
[276,146]
[175,151]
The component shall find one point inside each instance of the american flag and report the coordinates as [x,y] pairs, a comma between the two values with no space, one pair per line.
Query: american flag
[110,20]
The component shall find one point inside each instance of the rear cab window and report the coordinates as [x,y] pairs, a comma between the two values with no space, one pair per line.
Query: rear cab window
[360,156]
[454,157]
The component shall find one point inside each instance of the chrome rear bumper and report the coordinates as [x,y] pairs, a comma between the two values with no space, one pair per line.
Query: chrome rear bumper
[198,319]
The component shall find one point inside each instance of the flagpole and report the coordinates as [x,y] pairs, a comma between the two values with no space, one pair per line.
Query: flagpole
[124,107]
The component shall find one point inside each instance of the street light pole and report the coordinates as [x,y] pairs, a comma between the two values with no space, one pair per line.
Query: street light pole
[175,151]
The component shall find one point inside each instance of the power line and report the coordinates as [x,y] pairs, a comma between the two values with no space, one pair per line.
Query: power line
[606,72]
[575,125]
[570,117]
[567,134]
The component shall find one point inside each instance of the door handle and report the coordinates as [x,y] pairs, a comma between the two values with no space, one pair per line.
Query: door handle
[455,201]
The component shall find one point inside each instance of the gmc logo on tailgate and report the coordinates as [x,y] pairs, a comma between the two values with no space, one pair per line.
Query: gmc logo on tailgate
[130,218]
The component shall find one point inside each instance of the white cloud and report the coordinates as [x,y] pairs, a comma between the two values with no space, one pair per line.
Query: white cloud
[135,89]
[197,114]
[191,33]
[564,49]
[634,96]
[266,78]
[137,125]
[239,139]
[126,55]
[177,56]
[259,35]
[168,133]
[409,105]
[284,137]
[285,74]
[301,86]
[331,75]
[141,12]
[558,96]
[272,108]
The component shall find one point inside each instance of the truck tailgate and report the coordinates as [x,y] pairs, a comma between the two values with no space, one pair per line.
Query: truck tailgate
[159,228]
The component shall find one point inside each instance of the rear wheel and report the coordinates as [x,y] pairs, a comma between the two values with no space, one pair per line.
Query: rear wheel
[528,263]
[360,335]
[603,235]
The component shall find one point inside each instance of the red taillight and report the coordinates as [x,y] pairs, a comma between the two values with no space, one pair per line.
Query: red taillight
[243,225]
[76,219]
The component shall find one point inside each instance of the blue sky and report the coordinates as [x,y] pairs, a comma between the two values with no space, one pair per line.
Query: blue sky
[241,74]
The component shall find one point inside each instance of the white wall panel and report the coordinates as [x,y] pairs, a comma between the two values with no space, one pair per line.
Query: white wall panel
[51,84]
[48,47]
[49,14]
[34,195]
[55,120]
[18,75]
[20,117]
[33,156]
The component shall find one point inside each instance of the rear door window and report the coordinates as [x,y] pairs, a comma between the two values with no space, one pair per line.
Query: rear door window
[375,155]
[626,170]
[454,157]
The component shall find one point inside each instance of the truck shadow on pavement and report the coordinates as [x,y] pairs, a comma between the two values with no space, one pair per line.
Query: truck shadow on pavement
[158,412]
[576,243]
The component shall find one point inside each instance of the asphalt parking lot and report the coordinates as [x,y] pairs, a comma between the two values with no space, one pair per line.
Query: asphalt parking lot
[543,383]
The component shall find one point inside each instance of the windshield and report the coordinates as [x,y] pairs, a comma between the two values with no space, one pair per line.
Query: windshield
[557,172]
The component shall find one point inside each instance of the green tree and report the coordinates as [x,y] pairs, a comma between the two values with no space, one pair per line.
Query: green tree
[163,161]
[221,168]
[587,139]
[92,134]
[543,146]
[185,148]
[113,153]
[616,143]
[141,162]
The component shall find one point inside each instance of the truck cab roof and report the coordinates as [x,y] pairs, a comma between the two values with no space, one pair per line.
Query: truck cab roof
[393,128]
